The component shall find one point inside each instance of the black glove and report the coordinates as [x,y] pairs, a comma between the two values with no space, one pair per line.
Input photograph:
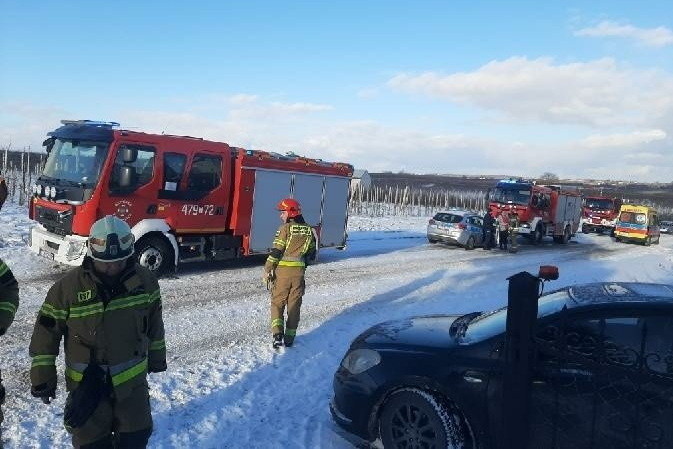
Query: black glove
[84,400]
[44,391]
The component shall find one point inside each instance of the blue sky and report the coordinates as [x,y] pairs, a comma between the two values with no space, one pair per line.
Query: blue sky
[582,90]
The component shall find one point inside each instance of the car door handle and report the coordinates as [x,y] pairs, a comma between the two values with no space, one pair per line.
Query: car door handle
[473,377]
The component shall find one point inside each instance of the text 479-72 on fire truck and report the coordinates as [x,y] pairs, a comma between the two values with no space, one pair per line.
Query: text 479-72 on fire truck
[186,199]
[553,211]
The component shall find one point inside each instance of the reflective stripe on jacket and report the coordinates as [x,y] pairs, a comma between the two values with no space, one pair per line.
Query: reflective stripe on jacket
[290,246]
[122,326]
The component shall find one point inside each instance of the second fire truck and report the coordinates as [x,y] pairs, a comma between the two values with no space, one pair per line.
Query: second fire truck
[552,211]
[600,214]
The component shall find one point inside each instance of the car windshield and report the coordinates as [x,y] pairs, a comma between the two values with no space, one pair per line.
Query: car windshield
[490,324]
[448,218]
[512,194]
[633,218]
[76,161]
[599,204]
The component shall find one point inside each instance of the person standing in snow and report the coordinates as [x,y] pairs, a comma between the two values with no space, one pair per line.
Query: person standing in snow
[9,302]
[293,245]
[503,229]
[488,226]
[109,314]
[513,224]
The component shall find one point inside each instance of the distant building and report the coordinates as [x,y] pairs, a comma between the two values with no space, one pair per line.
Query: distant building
[361,180]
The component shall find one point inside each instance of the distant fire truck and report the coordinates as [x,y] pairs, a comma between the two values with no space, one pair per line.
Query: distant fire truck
[186,199]
[599,214]
[552,211]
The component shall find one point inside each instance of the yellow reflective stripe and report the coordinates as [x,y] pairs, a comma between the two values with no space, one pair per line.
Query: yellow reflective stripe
[279,242]
[43,360]
[291,332]
[277,322]
[288,263]
[128,301]
[3,268]
[90,309]
[158,344]
[155,295]
[74,375]
[272,259]
[134,371]
[8,306]
[49,310]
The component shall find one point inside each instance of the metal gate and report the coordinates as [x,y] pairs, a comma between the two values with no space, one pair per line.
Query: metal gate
[597,383]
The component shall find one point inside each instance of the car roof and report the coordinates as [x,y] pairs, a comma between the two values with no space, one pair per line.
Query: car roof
[462,212]
[622,292]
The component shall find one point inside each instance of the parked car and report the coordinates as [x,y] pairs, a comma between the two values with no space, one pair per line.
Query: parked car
[666,227]
[603,365]
[457,227]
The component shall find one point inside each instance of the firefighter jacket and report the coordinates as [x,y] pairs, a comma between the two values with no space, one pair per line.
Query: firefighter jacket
[119,326]
[293,246]
[9,297]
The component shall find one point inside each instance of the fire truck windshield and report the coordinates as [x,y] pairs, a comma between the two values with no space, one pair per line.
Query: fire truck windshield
[599,203]
[76,161]
[512,195]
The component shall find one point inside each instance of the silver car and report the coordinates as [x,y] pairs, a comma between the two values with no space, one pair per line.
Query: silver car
[457,227]
[666,227]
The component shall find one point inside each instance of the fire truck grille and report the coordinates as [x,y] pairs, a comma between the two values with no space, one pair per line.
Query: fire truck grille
[59,223]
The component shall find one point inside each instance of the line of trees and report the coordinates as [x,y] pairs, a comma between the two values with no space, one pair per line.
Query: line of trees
[20,169]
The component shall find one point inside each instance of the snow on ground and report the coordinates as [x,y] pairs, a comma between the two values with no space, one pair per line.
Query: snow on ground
[225,386]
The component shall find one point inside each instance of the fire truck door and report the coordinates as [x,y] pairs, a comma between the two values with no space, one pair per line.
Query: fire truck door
[195,202]
[131,188]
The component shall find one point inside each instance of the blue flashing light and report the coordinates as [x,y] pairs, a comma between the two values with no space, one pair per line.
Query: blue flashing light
[90,123]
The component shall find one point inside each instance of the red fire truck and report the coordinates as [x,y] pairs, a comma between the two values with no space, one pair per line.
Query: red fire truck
[186,199]
[553,211]
[599,214]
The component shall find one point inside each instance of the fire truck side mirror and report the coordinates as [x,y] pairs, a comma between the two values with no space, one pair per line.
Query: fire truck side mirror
[127,176]
[129,155]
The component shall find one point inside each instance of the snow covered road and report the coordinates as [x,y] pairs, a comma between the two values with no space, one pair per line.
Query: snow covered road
[226,387]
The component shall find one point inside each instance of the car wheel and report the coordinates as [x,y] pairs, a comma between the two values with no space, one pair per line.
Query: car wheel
[585,229]
[413,418]
[648,241]
[154,254]
[470,243]
[432,240]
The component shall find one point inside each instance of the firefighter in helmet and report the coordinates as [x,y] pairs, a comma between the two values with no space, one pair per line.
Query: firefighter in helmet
[513,224]
[293,246]
[9,296]
[108,312]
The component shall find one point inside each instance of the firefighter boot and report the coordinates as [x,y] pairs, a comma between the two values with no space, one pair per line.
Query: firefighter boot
[277,340]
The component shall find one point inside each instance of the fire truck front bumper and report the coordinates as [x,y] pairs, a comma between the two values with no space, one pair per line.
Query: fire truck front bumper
[69,249]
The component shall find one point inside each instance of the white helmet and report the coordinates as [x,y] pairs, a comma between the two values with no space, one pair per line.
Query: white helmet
[110,240]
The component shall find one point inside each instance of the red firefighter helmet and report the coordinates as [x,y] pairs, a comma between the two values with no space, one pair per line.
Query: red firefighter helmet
[291,206]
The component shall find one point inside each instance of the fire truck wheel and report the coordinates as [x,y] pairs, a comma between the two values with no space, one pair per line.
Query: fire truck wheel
[154,254]
[566,235]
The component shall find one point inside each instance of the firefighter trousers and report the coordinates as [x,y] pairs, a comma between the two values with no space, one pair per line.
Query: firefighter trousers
[129,417]
[287,291]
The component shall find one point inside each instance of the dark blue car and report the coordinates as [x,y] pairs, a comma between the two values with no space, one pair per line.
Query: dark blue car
[601,375]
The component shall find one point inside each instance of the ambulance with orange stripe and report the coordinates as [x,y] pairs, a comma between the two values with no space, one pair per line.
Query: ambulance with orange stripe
[637,223]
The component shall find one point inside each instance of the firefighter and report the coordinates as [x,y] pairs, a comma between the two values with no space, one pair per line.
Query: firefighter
[109,313]
[503,229]
[293,246]
[9,302]
[513,225]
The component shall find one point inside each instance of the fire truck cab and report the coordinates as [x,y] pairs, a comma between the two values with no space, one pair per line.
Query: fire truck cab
[553,211]
[186,199]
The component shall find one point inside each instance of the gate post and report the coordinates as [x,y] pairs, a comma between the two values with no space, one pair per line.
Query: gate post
[522,297]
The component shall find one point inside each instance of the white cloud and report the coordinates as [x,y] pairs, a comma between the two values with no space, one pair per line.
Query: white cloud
[621,140]
[597,93]
[653,37]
